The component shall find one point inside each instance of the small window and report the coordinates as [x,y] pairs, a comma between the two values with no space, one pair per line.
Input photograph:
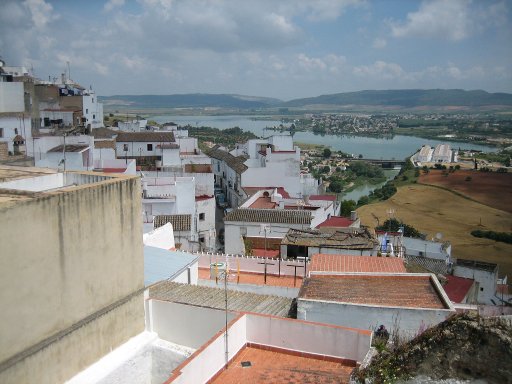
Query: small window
[15,131]
[1,132]
[201,216]
[201,239]
[86,110]
[93,116]
[93,99]
[150,147]
[481,289]
[125,147]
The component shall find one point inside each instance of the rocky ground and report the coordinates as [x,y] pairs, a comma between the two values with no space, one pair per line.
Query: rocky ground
[464,347]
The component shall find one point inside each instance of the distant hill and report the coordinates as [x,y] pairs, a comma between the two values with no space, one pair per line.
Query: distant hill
[408,98]
[191,100]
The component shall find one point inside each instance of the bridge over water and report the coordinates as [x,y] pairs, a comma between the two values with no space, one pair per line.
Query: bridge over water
[391,164]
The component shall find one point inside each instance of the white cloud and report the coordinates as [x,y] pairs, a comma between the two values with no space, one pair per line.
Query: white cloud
[111,4]
[382,70]
[379,43]
[438,18]
[41,11]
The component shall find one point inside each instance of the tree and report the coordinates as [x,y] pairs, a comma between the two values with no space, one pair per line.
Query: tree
[363,201]
[394,225]
[327,153]
[336,186]
[346,207]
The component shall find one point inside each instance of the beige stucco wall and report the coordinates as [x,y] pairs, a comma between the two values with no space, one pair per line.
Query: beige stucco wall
[72,353]
[65,256]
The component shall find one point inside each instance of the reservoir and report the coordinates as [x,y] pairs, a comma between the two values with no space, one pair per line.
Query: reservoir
[395,147]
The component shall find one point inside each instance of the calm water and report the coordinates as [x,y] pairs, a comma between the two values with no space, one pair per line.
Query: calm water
[365,189]
[398,147]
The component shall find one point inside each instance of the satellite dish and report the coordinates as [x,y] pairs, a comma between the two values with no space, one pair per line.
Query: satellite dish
[439,235]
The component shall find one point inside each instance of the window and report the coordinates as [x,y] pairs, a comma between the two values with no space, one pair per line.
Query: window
[150,147]
[201,216]
[86,110]
[201,239]
[15,131]
[92,99]
[93,116]
[125,147]
[1,132]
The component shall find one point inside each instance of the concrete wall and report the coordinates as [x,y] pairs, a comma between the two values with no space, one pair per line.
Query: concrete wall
[185,324]
[11,124]
[212,357]
[486,282]
[409,320]
[84,253]
[64,358]
[308,337]
[233,236]
[12,97]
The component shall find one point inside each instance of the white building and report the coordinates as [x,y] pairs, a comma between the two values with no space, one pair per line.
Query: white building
[173,199]
[142,144]
[442,154]
[366,300]
[425,154]
[267,216]
[15,120]
[132,125]
[484,274]
[261,163]
[73,152]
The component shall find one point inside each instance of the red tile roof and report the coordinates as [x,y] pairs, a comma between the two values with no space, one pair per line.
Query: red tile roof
[345,263]
[336,222]
[271,366]
[263,202]
[457,288]
[265,253]
[203,197]
[410,291]
[323,197]
[252,190]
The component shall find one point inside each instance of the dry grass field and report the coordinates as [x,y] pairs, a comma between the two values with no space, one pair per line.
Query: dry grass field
[432,210]
[490,188]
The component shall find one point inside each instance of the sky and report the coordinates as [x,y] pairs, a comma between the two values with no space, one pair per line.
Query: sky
[285,49]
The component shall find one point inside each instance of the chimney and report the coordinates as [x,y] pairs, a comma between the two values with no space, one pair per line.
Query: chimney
[353,215]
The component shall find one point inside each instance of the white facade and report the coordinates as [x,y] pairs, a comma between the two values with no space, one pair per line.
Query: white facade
[92,110]
[76,160]
[167,196]
[132,126]
[12,126]
[205,213]
[425,154]
[409,320]
[484,274]
[442,154]
[12,97]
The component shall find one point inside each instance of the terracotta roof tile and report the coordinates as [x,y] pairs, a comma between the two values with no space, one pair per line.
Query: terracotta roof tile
[233,162]
[343,238]
[269,216]
[413,290]
[103,144]
[69,148]
[336,222]
[346,263]
[179,222]
[457,288]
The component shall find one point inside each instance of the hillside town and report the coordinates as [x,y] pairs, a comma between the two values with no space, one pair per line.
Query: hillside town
[134,253]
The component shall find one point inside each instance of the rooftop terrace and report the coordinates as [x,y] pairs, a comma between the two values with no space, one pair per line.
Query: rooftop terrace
[271,366]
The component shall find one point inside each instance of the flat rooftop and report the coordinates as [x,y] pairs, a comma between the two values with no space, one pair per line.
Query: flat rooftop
[214,298]
[25,183]
[267,366]
[322,262]
[412,291]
